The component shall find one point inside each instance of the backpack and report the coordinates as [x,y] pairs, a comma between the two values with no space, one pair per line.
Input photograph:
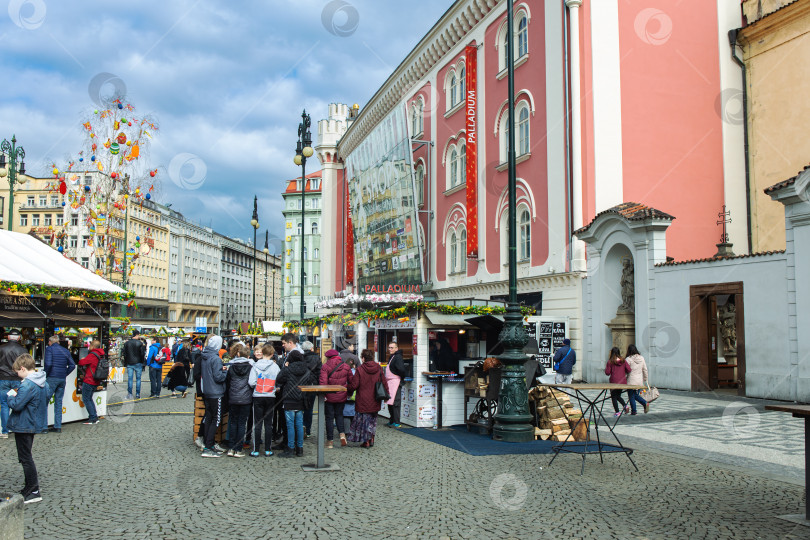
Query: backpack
[102,371]
[160,357]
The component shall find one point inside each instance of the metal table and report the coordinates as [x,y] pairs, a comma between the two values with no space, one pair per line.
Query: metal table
[800,411]
[593,412]
[321,391]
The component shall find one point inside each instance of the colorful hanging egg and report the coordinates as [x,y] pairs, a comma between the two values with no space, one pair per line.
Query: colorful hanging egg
[62,189]
[136,151]
[122,138]
[92,158]
[114,148]
[153,173]
[55,171]
[148,196]
[87,188]
[120,105]
[60,249]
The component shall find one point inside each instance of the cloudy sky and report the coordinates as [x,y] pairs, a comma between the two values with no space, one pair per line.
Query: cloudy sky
[226,81]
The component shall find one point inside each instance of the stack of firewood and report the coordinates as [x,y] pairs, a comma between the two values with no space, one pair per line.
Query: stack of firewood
[556,416]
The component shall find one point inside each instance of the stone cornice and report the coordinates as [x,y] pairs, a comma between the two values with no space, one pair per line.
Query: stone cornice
[454,25]
[527,284]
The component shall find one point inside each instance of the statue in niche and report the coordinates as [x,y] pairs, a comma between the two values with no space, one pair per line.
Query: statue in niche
[727,315]
[628,288]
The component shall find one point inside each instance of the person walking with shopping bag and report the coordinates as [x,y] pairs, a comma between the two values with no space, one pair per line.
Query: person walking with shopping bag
[637,377]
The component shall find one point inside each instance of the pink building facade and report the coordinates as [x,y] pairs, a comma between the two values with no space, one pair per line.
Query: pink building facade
[615,102]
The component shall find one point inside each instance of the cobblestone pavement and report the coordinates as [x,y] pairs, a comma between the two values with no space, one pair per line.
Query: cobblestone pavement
[139,476]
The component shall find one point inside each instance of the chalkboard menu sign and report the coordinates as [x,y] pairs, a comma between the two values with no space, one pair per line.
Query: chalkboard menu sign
[549,333]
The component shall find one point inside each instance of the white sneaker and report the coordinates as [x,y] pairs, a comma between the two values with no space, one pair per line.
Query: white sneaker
[200,443]
[3,435]
[230,452]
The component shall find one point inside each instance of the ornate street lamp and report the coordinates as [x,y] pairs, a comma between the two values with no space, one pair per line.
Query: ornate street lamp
[255,224]
[512,419]
[15,153]
[266,251]
[303,150]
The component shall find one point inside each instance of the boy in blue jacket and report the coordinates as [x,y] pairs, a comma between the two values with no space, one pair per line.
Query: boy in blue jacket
[25,406]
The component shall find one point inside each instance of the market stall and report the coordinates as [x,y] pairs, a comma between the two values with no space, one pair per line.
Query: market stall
[43,293]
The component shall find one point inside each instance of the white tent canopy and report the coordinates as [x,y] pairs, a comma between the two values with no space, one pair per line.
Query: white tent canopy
[24,259]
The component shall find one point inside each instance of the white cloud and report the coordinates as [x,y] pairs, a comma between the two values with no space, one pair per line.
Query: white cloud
[227,82]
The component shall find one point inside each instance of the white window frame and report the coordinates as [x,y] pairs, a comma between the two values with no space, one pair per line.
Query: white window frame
[523,143]
[524,233]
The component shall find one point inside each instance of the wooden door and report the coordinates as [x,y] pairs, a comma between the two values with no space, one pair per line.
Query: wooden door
[700,343]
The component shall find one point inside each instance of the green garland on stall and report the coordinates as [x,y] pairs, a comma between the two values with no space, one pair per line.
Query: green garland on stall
[403,311]
[47,291]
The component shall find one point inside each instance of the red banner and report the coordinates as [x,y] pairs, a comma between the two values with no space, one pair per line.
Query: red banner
[349,247]
[471,141]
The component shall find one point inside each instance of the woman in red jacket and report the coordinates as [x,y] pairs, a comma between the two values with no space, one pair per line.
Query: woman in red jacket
[89,382]
[617,368]
[364,427]
[335,372]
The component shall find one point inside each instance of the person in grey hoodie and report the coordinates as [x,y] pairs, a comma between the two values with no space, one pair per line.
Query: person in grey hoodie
[262,379]
[212,383]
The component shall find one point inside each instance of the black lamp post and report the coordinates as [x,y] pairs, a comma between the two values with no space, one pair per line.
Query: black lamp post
[303,150]
[512,419]
[14,153]
[255,224]
[266,251]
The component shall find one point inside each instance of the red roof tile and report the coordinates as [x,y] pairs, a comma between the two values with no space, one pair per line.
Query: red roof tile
[712,259]
[785,183]
[632,212]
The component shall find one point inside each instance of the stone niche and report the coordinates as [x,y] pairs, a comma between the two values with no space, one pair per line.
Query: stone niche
[623,325]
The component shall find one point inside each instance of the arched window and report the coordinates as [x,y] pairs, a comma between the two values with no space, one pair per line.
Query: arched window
[504,144]
[453,167]
[416,117]
[419,176]
[314,227]
[462,84]
[525,234]
[462,164]
[522,36]
[300,228]
[453,89]
[523,130]
[453,252]
[462,249]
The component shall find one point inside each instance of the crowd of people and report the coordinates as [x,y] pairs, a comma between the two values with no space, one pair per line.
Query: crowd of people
[260,391]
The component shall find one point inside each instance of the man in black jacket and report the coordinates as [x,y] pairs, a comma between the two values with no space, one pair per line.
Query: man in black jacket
[313,362]
[293,375]
[397,366]
[9,351]
[134,355]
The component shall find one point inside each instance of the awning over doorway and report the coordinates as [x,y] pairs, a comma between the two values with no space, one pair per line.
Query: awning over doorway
[444,320]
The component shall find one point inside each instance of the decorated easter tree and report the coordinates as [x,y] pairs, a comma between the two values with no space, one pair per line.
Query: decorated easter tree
[114,153]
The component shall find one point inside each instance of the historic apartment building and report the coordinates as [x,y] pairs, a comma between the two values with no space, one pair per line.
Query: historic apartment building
[292,261]
[194,268]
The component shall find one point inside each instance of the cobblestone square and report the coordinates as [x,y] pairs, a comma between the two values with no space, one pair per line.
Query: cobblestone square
[138,475]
